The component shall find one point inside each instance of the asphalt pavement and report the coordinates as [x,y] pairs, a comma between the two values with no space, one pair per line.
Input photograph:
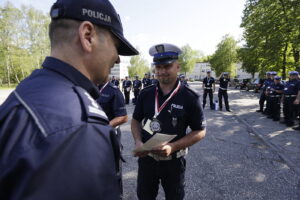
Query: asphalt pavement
[243,156]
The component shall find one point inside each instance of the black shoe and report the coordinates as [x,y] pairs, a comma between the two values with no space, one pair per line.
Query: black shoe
[220,109]
[275,119]
[283,122]
[228,110]
[270,117]
[259,111]
[297,128]
[289,124]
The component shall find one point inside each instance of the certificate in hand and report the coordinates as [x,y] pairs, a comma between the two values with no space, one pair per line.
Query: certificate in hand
[157,140]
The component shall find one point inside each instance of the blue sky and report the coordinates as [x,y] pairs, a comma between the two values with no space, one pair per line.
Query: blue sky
[199,23]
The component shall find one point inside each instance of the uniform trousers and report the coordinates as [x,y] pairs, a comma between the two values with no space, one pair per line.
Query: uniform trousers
[210,94]
[136,93]
[170,173]
[275,107]
[289,110]
[127,96]
[223,93]
[262,100]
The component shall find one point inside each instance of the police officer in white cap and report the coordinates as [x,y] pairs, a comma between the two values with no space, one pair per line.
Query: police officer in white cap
[167,108]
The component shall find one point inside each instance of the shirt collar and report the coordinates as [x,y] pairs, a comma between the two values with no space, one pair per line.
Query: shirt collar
[161,93]
[71,74]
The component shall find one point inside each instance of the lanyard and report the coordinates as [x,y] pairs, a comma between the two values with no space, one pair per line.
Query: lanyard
[103,87]
[159,109]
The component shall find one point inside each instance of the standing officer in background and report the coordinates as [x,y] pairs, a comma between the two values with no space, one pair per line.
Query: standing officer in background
[209,88]
[126,89]
[275,95]
[115,82]
[146,81]
[297,102]
[267,111]
[112,102]
[262,98]
[168,108]
[154,81]
[182,80]
[290,94]
[137,86]
[54,138]
[224,80]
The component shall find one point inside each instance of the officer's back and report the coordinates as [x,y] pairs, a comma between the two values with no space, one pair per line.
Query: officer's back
[55,142]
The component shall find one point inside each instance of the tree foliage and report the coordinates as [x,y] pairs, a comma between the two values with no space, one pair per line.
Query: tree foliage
[272,36]
[225,57]
[138,66]
[188,59]
[23,42]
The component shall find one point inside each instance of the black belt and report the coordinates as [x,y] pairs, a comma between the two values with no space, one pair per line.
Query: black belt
[275,96]
[208,88]
[290,95]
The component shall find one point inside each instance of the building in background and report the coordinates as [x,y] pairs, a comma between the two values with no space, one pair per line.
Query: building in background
[242,74]
[120,70]
[200,71]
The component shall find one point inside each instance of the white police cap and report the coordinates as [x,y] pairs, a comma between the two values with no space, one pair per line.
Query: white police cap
[164,53]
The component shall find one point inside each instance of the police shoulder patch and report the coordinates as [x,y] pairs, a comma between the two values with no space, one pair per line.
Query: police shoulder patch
[91,107]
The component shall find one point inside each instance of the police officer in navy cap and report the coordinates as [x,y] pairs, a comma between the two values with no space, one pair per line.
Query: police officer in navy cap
[291,89]
[183,80]
[267,111]
[275,95]
[153,80]
[222,93]
[209,88]
[115,81]
[167,108]
[297,101]
[146,81]
[262,99]
[137,86]
[55,140]
[127,84]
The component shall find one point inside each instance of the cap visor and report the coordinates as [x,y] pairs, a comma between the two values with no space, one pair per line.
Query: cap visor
[125,48]
[164,62]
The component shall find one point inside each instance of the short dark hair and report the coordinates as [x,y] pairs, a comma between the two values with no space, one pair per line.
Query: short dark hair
[64,30]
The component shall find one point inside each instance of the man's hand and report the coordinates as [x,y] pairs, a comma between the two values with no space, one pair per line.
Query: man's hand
[138,145]
[164,150]
[297,102]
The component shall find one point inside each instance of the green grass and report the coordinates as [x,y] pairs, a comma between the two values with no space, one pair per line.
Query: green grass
[5,87]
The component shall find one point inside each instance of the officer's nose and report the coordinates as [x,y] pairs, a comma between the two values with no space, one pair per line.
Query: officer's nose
[118,60]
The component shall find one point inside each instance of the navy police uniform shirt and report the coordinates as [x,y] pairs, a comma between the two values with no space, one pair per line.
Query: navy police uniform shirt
[267,83]
[54,139]
[224,83]
[137,84]
[146,82]
[208,82]
[278,86]
[291,87]
[112,101]
[126,84]
[115,82]
[154,81]
[183,110]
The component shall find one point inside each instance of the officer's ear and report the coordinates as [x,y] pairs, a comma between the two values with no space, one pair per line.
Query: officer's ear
[87,36]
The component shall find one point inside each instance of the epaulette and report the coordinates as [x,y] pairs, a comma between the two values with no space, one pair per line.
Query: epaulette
[191,90]
[113,86]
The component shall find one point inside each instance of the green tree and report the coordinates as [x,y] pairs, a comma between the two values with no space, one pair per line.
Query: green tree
[138,66]
[225,57]
[188,59]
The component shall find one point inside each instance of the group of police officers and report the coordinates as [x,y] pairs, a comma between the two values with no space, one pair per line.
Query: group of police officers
[276,92]
[60,129]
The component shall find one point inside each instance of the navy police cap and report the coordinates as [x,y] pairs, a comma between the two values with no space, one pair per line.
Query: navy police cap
[277,77]
[274,73]
[164,53]
[225,73]
[268,73]
[99,12]
[294,73]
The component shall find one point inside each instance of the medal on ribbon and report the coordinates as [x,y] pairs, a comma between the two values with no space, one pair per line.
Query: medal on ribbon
[155,126]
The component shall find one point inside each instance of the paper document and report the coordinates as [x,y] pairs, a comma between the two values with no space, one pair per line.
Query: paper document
[157,140]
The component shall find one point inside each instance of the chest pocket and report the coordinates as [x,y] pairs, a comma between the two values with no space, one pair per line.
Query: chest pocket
[177,117]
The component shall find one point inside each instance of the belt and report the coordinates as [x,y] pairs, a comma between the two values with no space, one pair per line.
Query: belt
[208,88]
[223,88]
[275,96]
[290,95]
[179,154]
